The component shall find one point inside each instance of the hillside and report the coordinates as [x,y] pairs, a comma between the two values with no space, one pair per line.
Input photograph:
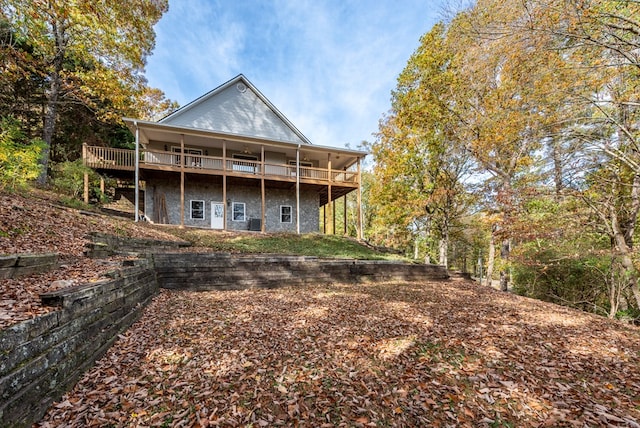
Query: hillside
[37,222]
[430,353]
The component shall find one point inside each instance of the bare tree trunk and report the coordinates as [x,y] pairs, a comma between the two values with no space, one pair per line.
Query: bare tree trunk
[622,242]
[504,255]
[52,94]
[615,290]
[557,167]
[491,260]
[49,125]
[442,252]
[443,244]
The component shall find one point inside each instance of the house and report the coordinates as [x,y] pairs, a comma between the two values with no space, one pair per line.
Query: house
[230,160]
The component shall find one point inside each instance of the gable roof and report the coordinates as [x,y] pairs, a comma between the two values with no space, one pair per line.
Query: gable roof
[237,107]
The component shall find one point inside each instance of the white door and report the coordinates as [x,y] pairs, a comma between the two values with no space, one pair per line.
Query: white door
[217,215]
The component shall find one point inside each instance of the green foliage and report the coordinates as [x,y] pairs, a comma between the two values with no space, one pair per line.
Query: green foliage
[68,179]
[19,157]
[570,273]
[92,55]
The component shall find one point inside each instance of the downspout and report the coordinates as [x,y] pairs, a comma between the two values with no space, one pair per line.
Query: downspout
[137,173]
[298,190]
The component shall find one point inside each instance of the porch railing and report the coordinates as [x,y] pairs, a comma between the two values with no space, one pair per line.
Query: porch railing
[124,159]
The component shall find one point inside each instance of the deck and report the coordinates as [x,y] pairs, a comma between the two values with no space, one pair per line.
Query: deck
[107,158]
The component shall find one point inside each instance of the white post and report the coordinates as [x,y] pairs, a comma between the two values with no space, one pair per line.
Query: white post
[298,190]
[137,173]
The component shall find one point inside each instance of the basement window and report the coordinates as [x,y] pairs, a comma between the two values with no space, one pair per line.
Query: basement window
[197,210]
[285,213]
[238,211]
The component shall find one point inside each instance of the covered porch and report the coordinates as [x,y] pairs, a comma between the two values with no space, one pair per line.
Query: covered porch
[230,159]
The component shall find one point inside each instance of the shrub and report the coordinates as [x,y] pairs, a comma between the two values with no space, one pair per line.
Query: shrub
[68,179]
[19,157]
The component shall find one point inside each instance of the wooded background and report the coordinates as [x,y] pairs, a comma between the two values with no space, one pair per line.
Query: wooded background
[513,143]
[511,148]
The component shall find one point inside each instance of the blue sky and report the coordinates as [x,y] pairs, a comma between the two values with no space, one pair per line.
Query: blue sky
[328,66]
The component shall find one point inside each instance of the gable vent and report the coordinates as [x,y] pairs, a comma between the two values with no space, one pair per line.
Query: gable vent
[241,87]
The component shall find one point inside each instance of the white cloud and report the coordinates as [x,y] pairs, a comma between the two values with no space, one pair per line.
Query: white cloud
[328,66]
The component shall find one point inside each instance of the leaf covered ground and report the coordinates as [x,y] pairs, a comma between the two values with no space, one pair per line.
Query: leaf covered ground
[37,222]
[446,354]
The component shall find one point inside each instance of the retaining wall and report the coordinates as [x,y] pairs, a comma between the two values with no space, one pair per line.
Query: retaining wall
[45,356]
[103,245]
[211,271]
[17,265]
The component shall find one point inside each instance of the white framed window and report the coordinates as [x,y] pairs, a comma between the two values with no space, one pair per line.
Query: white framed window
[197,210]
[238,210]
[285,214]
[190,160]
[245,163]
[302,163]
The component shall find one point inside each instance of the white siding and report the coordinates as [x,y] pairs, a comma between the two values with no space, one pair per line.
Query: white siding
[235,112]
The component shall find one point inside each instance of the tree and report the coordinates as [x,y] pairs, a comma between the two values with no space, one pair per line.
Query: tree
[509,99]
[18,156]
[98,46]
[420,168]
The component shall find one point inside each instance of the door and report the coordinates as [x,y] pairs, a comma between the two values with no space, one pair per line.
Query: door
[217,215]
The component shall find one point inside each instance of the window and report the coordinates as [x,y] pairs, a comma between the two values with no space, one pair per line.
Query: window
[304,168]
[302,163]
[193,161]
[245,163]
[238,211]
[197,210]
[285,213]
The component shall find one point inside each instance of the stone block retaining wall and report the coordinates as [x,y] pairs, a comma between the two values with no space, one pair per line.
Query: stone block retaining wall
[211,271]
[43,357]
[103,245]
[25,264]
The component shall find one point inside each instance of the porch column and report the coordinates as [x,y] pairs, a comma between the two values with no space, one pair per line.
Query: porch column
[359,204]
[86,175]
[329,203]
[224,184]
[136,174]
[263,227]
[324,219]
[86,188]
[181,180]
[333,216]
[344,215]
[298,190]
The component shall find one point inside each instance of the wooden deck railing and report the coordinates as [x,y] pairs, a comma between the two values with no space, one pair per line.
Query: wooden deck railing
[123,159]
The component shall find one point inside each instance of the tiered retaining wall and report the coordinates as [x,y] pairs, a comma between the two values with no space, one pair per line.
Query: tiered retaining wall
[103,245]
[211,271]
[26,264]
[43,357]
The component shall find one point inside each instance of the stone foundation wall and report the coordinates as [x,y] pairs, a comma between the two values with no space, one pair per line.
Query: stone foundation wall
[213,271]
[45,356]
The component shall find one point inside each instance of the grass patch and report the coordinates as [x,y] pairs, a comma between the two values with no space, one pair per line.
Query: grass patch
[327,246]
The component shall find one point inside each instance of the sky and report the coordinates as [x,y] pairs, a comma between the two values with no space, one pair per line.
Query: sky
[328,65]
